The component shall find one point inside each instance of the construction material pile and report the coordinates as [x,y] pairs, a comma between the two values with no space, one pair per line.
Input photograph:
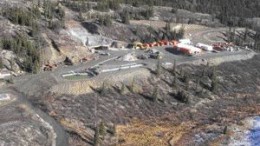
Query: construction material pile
[129,57]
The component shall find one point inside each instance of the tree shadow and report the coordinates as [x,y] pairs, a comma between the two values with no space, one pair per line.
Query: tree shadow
[96,90]
[146,97]
[152,71]
[173,50]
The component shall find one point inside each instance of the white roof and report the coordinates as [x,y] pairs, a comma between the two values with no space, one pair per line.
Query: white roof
[185,41]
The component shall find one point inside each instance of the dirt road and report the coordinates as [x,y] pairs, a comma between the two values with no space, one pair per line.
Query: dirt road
[36,126]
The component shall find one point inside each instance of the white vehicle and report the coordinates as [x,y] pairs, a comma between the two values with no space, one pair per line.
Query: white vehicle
[104,53]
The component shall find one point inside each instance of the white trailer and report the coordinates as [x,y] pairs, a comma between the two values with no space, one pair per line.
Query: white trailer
[204,47]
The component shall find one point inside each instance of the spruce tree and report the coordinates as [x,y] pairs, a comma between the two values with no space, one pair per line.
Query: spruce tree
[158,68]
[102,130]
[123,89]
[96,137]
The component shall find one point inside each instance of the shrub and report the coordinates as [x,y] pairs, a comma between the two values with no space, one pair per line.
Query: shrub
[97,136]
[102,129]
[158,69]
[182,96]
[156,96]
[225,130]
[55,25]
[167,27]
[214,84]
[123,89]
[1,63]
[197,84]
[174,82]
[214,81]
[103,88]
[132,86]
[174,68]
[174,10]
[10,80]
[147,13]
[102,6]
[125,17]
[105,20]
[114,4]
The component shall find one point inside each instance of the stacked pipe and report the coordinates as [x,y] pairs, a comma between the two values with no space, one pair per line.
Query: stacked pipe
[157,44]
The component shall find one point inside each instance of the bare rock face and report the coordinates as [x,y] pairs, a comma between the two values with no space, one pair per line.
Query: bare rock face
[23,133]
[88,34]
[80,53]
[9,60]
[19,125]
[67,44]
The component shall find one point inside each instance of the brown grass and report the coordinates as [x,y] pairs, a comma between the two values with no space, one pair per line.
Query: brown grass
[151,134]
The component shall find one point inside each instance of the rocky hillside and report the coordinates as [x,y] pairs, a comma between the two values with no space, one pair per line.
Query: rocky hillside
[189,99]
[183,105]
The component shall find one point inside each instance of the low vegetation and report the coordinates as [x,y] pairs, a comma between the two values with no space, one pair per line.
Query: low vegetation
[182,96]
[1,63]
[26,49]
[27,44]
[105,20]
